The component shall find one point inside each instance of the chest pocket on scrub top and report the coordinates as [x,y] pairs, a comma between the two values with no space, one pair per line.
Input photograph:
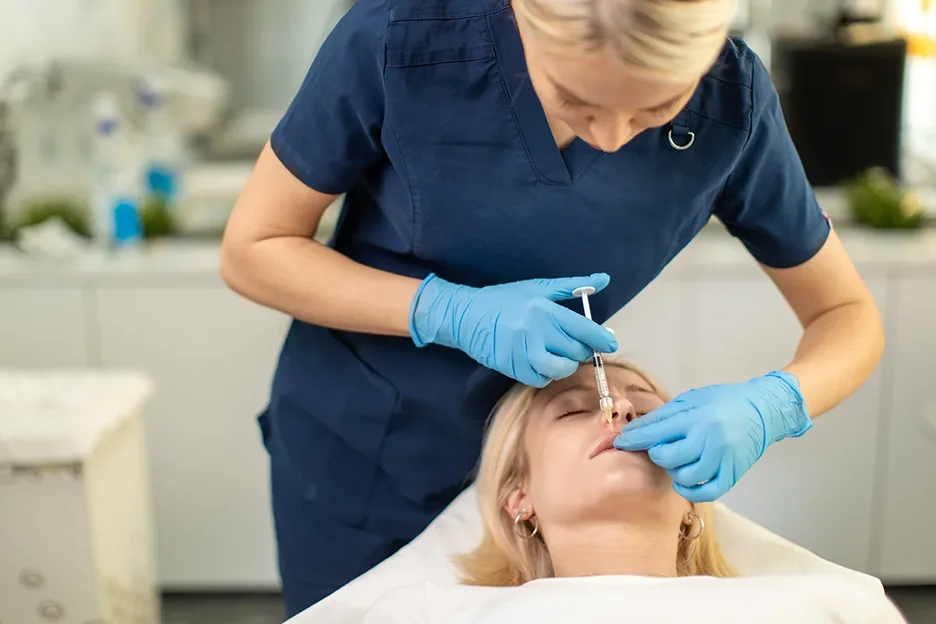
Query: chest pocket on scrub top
[459,145]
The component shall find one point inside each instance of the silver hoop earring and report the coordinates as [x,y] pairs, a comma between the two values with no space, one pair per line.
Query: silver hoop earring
[520,532]
[687,533]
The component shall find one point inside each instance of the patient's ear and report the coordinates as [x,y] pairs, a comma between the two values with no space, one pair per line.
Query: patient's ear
[517,501]
[687,519]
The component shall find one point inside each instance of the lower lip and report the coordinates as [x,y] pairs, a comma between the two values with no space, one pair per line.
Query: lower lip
[604,451]
[640,454]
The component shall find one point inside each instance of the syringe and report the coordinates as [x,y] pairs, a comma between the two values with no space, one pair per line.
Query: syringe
[605,402]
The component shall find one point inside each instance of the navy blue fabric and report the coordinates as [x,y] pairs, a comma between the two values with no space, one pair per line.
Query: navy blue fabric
[421,110]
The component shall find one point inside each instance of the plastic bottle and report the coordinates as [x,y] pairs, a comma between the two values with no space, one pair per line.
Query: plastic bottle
[114,183]
[163,147]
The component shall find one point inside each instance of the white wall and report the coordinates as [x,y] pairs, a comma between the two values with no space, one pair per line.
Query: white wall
[264,47]
[33,31]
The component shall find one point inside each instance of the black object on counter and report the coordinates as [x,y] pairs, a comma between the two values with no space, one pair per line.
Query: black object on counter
[843,104]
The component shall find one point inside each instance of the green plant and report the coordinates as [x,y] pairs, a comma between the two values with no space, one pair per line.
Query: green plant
[70,211]
[156,218]
[4,227]
[876,200]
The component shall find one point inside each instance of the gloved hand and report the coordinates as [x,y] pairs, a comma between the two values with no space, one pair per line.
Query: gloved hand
[517,329]
[706,439]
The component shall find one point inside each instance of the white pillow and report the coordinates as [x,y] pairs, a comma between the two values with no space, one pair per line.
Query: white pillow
[750,548]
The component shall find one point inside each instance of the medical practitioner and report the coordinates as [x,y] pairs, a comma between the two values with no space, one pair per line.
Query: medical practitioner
[495,155]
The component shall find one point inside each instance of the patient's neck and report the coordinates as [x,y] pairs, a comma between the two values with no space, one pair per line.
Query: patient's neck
[614,548]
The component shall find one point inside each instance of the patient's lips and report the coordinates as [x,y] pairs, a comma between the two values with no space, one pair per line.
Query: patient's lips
[605,443]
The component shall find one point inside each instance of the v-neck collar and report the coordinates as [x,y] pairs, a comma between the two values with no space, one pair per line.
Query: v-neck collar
[552,165]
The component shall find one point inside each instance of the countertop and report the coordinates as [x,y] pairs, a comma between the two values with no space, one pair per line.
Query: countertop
[58,417]
[197,262]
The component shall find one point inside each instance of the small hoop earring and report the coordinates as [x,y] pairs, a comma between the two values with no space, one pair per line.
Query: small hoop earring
[687,533]
[517,524]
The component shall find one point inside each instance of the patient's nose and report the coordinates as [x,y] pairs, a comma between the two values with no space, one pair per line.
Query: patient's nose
[623,413]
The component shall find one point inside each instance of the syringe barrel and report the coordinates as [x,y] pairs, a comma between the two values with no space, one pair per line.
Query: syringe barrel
[600,376]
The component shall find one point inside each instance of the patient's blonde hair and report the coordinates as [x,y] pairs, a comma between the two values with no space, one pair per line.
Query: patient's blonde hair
[666,39]
[504,559]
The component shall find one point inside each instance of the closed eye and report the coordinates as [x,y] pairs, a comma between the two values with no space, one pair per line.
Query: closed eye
[664,111]
[573,413]
[565,103]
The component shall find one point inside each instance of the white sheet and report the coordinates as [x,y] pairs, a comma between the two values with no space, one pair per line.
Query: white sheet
[419,584]
[813,599]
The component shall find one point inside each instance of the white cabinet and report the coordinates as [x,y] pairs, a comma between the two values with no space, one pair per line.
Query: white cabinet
[211,355]
[909,502]
[76,527]
[647,330]
[42,327]
[815,490]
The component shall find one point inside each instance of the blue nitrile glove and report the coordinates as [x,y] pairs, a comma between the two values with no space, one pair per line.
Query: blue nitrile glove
[706,439]
[517,329]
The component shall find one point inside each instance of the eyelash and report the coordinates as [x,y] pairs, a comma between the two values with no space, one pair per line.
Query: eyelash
[660,112]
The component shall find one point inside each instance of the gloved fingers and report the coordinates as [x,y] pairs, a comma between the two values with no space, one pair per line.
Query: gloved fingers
[562,288]
[645,438]
[551,366]
[577,327]
[676,454]
[702,471]
[525,374]
[665,412]
[513,360]
[705,493]
[560,343]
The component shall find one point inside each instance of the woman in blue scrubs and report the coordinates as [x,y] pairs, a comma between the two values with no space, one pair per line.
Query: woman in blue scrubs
[495,155]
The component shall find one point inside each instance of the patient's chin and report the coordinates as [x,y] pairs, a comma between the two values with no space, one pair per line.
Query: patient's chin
[615,491]
[627,473]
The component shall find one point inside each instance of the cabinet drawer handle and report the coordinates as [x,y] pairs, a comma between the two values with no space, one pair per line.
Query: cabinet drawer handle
[33,579]
[51,611]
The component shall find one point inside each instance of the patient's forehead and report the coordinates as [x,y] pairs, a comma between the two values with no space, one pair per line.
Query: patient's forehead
[620,379]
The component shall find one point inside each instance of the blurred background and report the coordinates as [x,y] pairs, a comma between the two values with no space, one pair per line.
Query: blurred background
[162,105]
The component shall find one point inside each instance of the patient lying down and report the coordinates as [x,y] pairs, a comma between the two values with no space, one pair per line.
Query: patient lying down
[558,500]
[575,530]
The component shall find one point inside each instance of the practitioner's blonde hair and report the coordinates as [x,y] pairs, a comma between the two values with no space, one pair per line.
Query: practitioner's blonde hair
[664,39]
[504,558]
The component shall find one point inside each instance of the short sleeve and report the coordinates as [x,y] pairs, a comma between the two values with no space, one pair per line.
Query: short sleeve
[768,203]
[330,134]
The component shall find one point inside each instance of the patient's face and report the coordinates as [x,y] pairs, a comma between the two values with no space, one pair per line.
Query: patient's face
[574,472]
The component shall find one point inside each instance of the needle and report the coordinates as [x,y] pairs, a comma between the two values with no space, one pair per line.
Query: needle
[605,402]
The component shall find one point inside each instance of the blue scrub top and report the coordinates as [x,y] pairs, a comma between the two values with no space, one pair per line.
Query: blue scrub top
[422,112]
